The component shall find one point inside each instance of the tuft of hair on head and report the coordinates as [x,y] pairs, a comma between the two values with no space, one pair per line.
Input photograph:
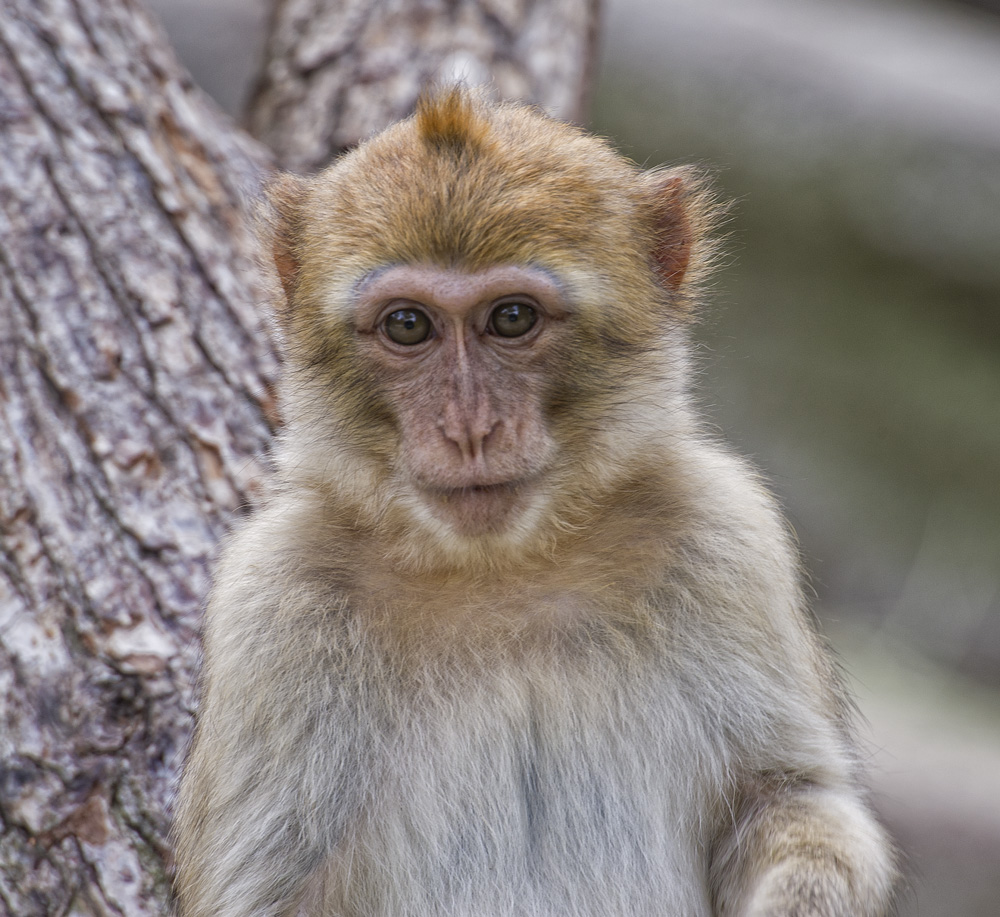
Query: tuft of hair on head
[451,119]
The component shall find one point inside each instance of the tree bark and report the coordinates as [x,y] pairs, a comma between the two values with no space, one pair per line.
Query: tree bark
[338,70]
[137,373]
[135,401]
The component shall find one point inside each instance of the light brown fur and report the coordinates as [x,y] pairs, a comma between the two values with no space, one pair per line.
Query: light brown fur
[512,636]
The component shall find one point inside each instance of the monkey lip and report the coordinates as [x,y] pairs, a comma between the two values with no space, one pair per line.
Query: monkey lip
[476,509]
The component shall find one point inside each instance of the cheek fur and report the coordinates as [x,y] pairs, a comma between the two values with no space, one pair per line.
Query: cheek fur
[346,388]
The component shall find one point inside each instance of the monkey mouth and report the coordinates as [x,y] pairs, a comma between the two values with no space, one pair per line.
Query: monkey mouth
[476,509]
[505,487]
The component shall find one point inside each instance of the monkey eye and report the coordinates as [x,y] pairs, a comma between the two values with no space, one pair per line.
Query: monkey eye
[512,319]
[407,326]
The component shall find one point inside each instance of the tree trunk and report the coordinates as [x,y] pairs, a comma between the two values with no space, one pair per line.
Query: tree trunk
[136,391]
[338,70]
[135,399]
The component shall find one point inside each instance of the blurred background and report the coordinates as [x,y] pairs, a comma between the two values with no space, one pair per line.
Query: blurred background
[851,346]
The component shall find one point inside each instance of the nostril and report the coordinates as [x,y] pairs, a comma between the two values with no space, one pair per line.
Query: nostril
[479,436]
[456,433]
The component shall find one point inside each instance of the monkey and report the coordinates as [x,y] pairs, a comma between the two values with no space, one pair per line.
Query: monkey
[511,633]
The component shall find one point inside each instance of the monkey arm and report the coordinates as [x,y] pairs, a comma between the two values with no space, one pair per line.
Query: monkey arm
[795,837]
[239,857]
[803,850]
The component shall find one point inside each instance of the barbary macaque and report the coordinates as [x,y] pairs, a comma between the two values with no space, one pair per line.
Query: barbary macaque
[513,634]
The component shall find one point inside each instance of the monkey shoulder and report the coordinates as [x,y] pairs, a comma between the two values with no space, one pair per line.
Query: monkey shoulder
[740,635]
[725,535]
[282,578]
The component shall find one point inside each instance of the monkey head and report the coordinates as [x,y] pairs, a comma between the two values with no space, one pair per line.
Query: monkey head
[467,296]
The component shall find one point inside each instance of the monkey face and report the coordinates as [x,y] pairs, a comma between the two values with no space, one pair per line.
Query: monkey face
[461,358]
[483,309]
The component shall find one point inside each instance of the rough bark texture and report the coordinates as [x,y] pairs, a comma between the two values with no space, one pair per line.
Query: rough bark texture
[136,383]
[135,397]
[337,70]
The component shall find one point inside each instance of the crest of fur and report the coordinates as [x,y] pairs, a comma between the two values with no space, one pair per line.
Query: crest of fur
[450,120]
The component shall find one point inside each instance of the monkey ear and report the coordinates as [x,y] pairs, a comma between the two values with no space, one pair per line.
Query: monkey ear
[285,193]
[681,214]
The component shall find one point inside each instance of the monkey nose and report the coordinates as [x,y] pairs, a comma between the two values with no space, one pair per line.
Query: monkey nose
[468,433]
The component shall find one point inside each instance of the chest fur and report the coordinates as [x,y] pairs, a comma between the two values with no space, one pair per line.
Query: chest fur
[569,789]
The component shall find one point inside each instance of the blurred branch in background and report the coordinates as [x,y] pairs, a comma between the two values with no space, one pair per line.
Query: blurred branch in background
[992,5]
[338,70]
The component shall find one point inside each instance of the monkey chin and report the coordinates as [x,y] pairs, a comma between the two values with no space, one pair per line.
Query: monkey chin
[478,510]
